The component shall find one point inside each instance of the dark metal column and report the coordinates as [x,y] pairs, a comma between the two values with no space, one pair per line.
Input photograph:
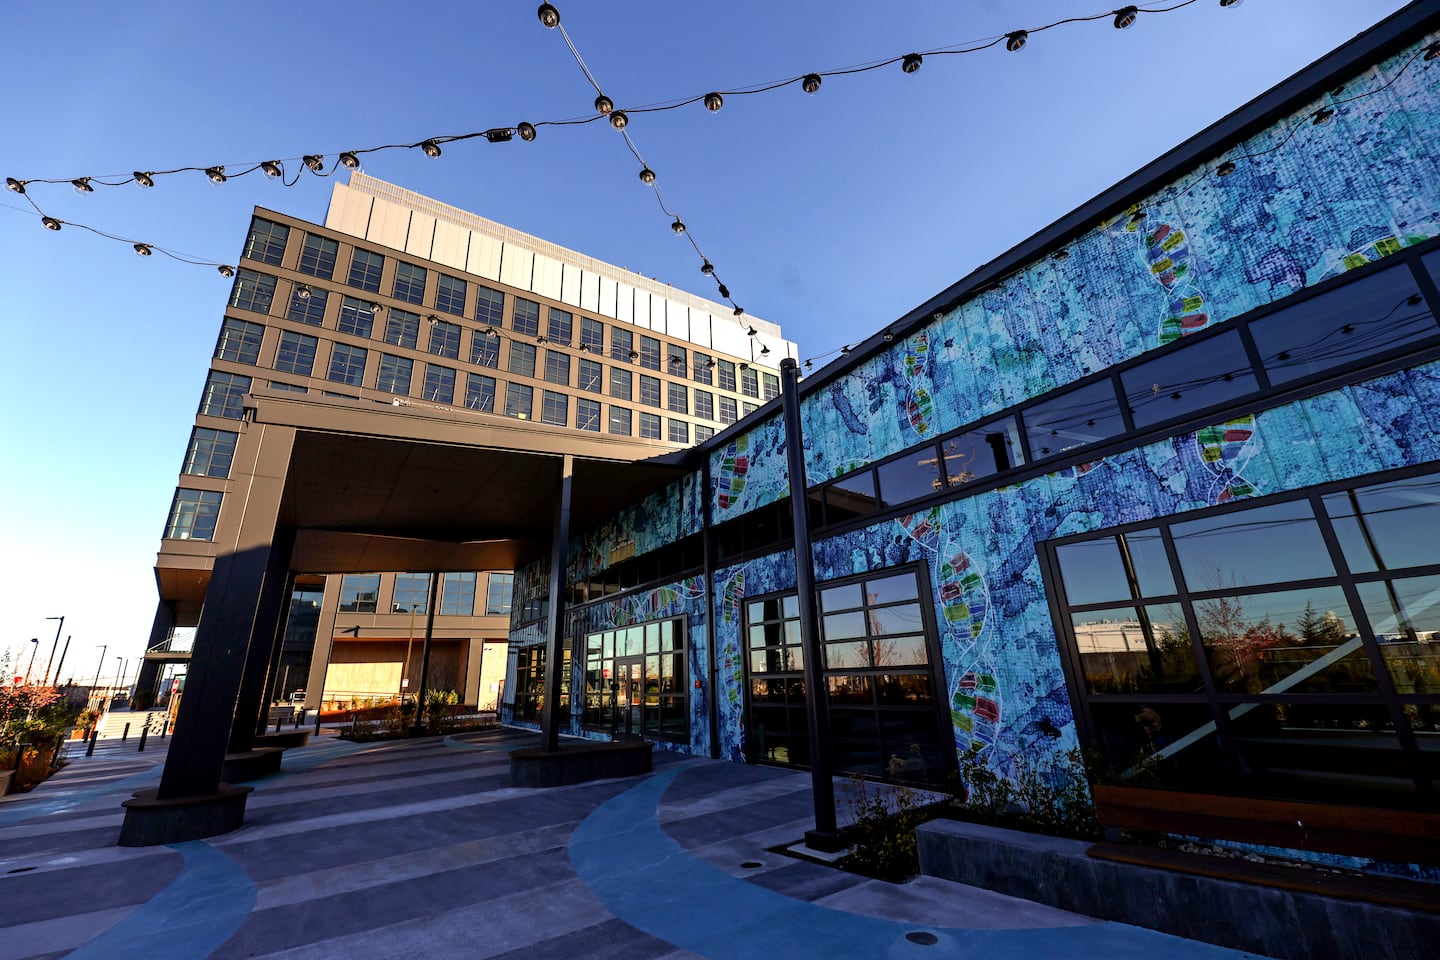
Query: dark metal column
[712,660]
[425,654]
[222,641]
[554,653]
[825,836]
[271,614]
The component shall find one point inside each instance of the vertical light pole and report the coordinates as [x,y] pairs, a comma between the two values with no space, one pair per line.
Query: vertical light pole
[96,685]
[405,667]
[61,665]
[58,627]
[33,650]
[118,675]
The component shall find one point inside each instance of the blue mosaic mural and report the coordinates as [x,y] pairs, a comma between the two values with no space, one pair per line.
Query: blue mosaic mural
[662,518]
[750,471]
[683,598]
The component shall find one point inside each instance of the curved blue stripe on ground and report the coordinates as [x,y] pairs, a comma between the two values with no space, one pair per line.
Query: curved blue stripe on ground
[201,908]
[647,880]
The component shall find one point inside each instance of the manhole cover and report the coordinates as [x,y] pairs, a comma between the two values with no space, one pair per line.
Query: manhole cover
[922,937]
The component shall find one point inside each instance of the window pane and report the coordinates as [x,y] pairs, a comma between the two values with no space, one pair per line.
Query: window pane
[587,415]
[439,383]
[1148,559]
[193,514]
[252,291]
[1405,615]
[892,589]
[356,317]
[619,421]
[1263,545]
[1341,327]
[498,593]
[1093,572]
[522,359]
[210,453]
[409,283]
[519,399]
[266,241]
[239,341]
[851,655]
[412,593]
[359,593]
[527,317]
[1390,525]
[589,376]
[480,393]
[394,374]
[1130,650]
[457,594]
[347,364]
[1073,420]
[982,453]
[554,408]
[843,626]
[296,353]
[307,305]
[365,269]
[1295,641]
[1346,753]
[559,326]
[904,618]
[402,328]
[854,496]
[444,338]
[1196,376]
[317,257]
[909,478]
[224,395]
[450,295]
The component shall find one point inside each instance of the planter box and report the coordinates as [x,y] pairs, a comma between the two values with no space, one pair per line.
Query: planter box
[5,779]
[579,762]
[1404,836]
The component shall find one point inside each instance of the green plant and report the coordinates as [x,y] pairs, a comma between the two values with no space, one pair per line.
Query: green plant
[143,700]
[882,833]
[437,704]
[1045,793]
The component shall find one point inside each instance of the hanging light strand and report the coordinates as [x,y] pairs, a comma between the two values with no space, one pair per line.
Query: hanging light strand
[315,162]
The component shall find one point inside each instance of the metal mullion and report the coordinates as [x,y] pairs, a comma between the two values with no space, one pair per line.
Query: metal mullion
[1311,583]
[1384,683]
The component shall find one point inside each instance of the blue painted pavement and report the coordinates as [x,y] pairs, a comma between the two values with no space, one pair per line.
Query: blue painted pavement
[648,881]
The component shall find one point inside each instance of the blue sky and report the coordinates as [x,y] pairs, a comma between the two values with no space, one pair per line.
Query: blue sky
[829,214]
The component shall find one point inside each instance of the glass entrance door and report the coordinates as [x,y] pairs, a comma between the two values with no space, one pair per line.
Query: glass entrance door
[629,696]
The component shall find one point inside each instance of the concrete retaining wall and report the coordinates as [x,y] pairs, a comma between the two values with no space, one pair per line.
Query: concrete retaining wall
[1278,923]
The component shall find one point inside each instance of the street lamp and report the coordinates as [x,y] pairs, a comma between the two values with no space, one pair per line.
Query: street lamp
[96,685]
[36,641]
[405,667]
[58,627]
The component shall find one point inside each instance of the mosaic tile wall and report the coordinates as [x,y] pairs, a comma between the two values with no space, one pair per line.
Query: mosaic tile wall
[662,518]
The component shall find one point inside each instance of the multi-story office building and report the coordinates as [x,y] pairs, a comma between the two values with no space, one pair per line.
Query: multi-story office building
[403,301]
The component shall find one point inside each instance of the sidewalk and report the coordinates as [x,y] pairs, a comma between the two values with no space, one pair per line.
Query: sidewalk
[421,848]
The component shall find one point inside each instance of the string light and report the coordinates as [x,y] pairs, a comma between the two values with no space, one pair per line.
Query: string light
[911,63]
[1125,16]
[431,148]
[271,169]
[647,175]
[15,186]
[603,105]
[810,82]
[1016,40]
[50,223]
[143,249]
[142,179]
[349,160]
[713,102]
[82,185]
[216,174]
[526,131]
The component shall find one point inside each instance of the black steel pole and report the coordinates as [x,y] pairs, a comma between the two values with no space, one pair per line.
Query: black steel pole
[58,627]
[61,665]
[825,836]
[98,667]
[425,652]
[554,656]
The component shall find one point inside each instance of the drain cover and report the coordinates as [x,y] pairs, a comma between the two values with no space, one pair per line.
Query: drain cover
[922,937]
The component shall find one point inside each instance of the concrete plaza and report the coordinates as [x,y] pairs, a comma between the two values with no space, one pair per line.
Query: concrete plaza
[421,848]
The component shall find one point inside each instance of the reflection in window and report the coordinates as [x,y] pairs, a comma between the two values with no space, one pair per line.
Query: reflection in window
[1337,329]
[365,269]
[852,496]
[1262,545]
[519,399]
[1390,525]
[412,593]
[499,589]
[317,257]
[980,453]
[1074,419]
[1197,376]
[1136,650]
[193,514]
[457,594]
[909,477]
[210,453]
[359,592]
[480,392]
[1405,616]
[1294,641]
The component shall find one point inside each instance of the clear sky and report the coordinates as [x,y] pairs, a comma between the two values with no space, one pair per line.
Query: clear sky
[829,214]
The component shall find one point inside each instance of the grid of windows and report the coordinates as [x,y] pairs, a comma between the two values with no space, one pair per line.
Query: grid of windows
[252,291]
[770,386]
[649,352]
[555,408]
[527,317]
[307,308]
[649,426]
[412,593]
[560,326]
[1191,660]
[649,390]
[347,364]
[356,317]
[676,358]
[677,397]
[394,375]
[499,588]
[749,381]
[239,341]
[480,392]
[359,592]
[450,295]
[484,349]
[296,353]
[619,421]
[266,241]
[622,345]
[725,375]
[445,339]
[317,257]
[636,681]
[703,433]
[210,452]
[193,514]
[288,387]
[457,594]
[590,374]
[587,414]
[439,383]
[224,395]
[592,334]
[747,408]
[365,269]
[522,359]
[704,368]
[557,367]
[402,328]
[409,282]
[729,411]
[620,383]
[489,306]
[519,400]
[704,404]
[679,431]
